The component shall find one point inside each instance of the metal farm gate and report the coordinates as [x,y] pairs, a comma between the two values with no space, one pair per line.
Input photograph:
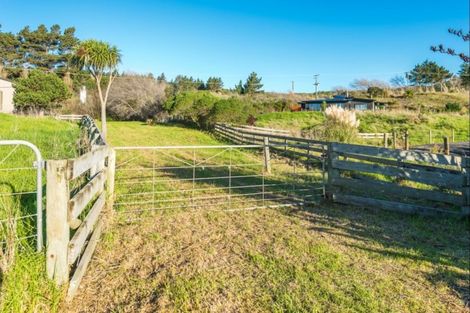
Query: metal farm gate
[224,178]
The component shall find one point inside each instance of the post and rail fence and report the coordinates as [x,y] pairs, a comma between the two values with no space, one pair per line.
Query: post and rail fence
[407,181]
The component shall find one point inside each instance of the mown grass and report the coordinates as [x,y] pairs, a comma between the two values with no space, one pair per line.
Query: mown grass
[24,286]
[323,258]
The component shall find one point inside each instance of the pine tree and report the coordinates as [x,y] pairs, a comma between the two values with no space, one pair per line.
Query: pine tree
[214,84]
[239,88]
[252,84]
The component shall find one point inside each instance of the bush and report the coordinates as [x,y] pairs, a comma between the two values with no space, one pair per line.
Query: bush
[135,97]
[230,110]
[409,93]
[192,106]
[40,91]
[340,126]
[453,107]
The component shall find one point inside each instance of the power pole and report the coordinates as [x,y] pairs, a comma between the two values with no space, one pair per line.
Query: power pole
[292,86]
[316,84]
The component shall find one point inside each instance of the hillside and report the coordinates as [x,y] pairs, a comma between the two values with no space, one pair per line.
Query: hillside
[417,123]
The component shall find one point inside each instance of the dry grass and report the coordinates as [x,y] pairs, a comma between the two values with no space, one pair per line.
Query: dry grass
[327,259]
[324,259]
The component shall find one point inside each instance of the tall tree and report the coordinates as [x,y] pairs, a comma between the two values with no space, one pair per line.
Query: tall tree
[464,74]
[101,60]
[239,88]
[428,74]
[252,84]
[462,55]
[214,84]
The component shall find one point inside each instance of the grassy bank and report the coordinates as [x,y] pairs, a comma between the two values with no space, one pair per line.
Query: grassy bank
[418,125]
[23,284]
[323,258]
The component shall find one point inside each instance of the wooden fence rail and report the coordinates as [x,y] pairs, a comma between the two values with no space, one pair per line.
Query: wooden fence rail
[74,221]
[392,179]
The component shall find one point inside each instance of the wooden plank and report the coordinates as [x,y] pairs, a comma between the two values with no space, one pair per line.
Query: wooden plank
[77,242]
[377,186]
[83,163]
[84,261]
[85,195]
[58,232]
[392,206]
[393,162]
[430,178]
[401,155]
[110,172]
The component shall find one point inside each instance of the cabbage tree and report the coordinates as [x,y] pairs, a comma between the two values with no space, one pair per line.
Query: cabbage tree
[100,59]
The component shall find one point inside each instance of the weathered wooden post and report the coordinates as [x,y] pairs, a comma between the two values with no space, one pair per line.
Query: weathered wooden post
[430,136]
[394,139]
[332,172]
[466,186]
[386,140]
[58,230]
[446,146]
[267,156]
[111,170]
[407,141]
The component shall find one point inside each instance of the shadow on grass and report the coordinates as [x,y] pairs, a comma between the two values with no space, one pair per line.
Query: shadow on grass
[442,242]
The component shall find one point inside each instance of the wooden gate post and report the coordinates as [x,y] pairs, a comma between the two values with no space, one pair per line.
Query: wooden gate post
[446,146]
[407,141]
[267,156]
[111,170]
[466,186]
[386,140]
[58,230]
[394,134]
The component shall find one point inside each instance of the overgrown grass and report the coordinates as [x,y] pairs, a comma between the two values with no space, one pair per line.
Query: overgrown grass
[321,259]
[24,286]
[418,125]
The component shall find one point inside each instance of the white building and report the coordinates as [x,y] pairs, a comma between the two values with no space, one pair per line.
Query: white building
[6,96]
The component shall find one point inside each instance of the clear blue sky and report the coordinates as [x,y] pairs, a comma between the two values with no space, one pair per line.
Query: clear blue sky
[283,41]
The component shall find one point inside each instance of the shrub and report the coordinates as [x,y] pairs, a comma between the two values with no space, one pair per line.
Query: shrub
[340,125]
[40,91]
[409,93]
[453,107]
[230,110]
[134,97]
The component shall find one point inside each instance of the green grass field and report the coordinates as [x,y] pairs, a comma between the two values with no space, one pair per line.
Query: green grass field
[24,287]
[321,258]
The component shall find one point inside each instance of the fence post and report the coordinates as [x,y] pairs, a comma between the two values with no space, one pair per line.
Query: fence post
[466,186]
[407,141]
[111,170]
[386,140]
[394,139]
[446,146]
[58,231]
[430,136]
[332,173]
[267,157]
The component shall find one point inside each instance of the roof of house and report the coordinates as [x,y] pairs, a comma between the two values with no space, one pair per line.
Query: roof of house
[337,99]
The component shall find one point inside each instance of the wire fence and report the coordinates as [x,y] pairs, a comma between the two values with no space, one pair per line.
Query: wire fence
[223,178]
[21,201]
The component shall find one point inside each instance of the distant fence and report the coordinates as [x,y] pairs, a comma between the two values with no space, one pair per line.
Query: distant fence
[306,150]
[376,177]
